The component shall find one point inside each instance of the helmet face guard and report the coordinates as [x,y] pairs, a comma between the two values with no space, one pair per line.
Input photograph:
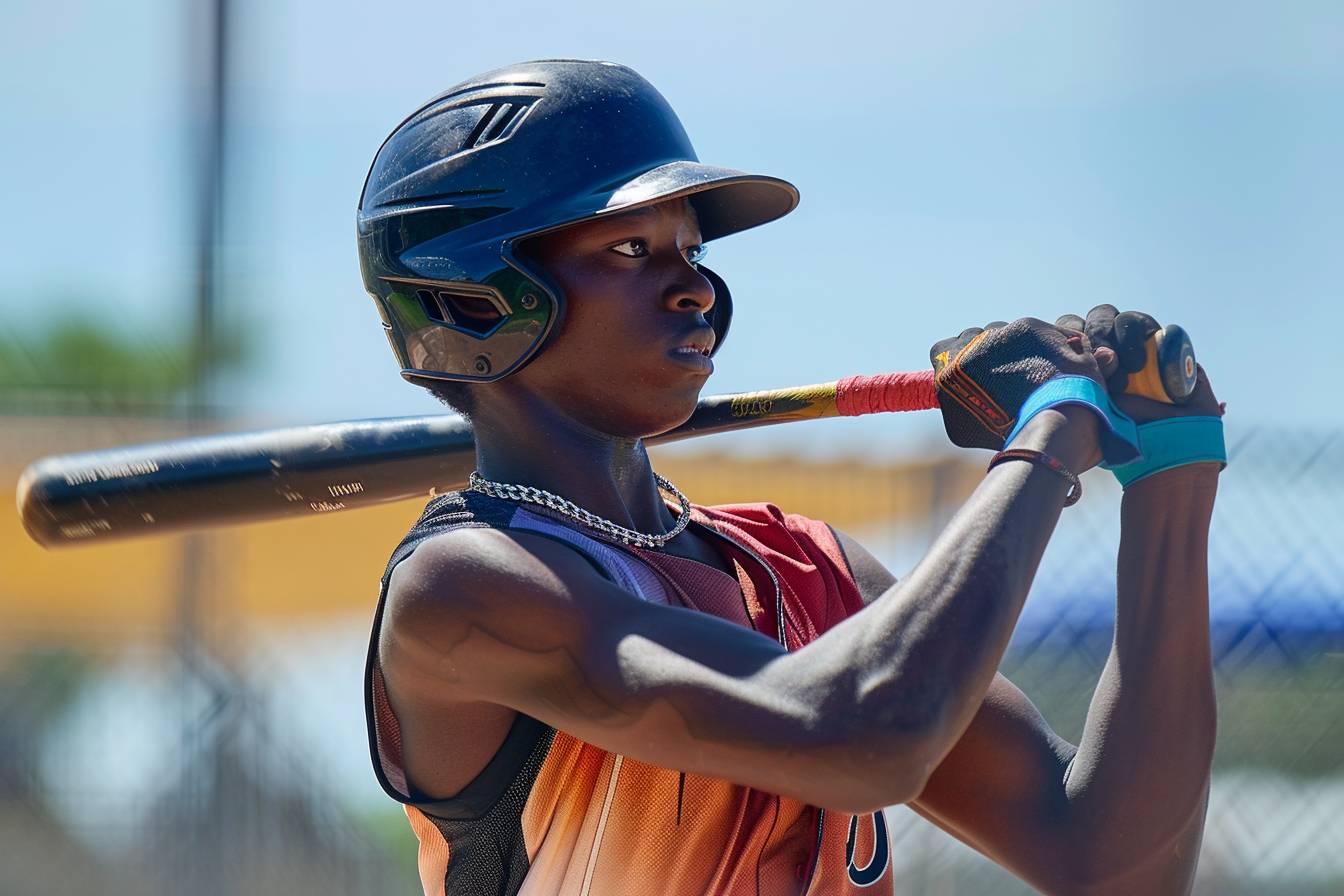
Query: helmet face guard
[510,155]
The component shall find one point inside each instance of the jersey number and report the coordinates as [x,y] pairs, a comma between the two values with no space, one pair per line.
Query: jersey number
[877,866]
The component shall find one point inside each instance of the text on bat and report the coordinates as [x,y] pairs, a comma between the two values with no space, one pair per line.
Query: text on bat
[85,529]
[750,407]
[120,471]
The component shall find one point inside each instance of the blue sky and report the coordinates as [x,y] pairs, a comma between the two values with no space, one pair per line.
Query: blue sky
[958,164]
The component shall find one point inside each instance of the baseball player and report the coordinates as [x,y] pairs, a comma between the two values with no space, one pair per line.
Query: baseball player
[581,682]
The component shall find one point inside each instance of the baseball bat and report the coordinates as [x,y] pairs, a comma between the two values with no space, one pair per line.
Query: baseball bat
[329,467]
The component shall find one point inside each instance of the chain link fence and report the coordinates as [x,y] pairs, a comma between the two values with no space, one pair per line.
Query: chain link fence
[156,766]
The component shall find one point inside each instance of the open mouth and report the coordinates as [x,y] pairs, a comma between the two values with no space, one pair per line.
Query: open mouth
[694,356]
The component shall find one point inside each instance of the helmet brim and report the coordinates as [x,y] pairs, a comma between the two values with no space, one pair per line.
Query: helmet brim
[726,201]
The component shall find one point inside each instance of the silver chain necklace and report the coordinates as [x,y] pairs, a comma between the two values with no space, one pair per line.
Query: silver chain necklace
[530,495]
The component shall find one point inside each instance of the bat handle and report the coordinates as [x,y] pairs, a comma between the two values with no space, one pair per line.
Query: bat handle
[1169,373]
[885,393]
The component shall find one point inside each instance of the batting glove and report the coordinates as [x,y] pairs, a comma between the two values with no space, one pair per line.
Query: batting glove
[990,381]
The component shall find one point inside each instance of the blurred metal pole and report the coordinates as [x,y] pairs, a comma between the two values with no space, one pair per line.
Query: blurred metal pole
[210,95]
[209,207]
[198,866]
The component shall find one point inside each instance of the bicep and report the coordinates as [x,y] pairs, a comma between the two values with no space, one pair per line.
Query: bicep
[526,623]
[1001,788]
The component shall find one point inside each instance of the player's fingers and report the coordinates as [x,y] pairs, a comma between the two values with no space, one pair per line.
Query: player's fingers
[1071,325]
[1106,360]
[1100,325]
[1132,329]
[969,332]
[1076,341]
[995,324]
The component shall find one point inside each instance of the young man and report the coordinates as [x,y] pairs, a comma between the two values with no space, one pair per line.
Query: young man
[579,682]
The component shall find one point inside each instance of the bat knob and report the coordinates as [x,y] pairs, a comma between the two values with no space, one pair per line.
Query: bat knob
[1176,360]
[1170,373]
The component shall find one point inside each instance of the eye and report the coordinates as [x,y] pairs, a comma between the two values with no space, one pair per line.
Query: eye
[695,254]
[632,248]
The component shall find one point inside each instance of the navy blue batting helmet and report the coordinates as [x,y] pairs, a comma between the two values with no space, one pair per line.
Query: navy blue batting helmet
[509,155]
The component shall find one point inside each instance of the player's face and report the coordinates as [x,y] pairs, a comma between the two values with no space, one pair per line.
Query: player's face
[632,352]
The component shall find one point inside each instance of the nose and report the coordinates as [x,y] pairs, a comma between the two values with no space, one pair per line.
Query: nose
[689,290]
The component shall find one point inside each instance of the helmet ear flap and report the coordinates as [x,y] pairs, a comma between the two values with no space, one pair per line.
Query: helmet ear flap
[721,315]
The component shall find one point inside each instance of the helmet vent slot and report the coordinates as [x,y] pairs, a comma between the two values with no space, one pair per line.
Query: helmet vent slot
[496,124]
[431,306]
[477,314]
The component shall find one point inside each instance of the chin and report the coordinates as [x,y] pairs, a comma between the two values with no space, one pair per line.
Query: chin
[672,420]
[654,416]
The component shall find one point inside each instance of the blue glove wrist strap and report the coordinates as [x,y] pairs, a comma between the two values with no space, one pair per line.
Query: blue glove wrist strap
[1174,442]
[1119,434]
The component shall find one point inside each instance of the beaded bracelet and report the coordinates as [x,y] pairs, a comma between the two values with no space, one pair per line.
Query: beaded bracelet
[1050,463]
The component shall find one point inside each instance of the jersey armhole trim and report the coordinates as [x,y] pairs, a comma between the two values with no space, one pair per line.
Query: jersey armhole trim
[525,734]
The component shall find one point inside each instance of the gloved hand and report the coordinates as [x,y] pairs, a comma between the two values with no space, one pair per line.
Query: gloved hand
[1170,435]
[1119,340]
[983,377]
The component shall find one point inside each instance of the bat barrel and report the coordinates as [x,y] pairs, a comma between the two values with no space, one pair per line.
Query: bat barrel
[302,471]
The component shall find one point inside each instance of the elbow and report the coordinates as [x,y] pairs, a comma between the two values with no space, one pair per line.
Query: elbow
[870,745]
[914,740]
[910,762]
[874,764]
[882,789]
[866,795]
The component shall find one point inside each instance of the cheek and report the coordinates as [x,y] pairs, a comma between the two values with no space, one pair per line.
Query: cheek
[606,320]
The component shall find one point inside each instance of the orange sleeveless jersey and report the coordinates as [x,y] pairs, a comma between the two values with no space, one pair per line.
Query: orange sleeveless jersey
[551,814]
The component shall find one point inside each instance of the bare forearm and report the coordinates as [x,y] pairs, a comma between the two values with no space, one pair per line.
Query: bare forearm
[1137,784]
[920,659]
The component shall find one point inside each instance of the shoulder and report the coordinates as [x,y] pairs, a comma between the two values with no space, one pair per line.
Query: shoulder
[464,578]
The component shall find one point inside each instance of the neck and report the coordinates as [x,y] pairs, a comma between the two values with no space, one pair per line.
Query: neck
[536,445]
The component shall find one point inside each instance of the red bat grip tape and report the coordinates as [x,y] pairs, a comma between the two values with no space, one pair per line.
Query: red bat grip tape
[886,392]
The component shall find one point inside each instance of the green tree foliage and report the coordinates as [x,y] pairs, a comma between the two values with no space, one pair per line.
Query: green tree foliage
[75,363]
